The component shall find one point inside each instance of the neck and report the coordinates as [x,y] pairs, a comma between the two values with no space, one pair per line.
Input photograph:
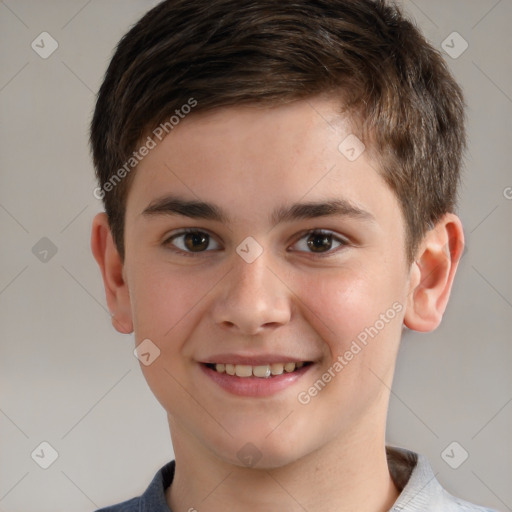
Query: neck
[347,474]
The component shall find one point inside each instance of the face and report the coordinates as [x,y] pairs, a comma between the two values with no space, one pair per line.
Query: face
[252,241]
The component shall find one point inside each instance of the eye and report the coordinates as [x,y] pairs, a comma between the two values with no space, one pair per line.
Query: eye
[319,241]
[192,241]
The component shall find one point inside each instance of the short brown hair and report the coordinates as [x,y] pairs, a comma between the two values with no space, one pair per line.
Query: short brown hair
[231,52]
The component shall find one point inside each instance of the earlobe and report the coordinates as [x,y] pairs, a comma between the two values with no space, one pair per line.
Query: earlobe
[116,290]
[432,274]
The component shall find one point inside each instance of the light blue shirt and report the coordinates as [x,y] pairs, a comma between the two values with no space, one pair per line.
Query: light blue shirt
[411,472]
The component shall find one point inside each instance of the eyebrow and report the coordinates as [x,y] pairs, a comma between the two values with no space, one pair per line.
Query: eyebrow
[172,205]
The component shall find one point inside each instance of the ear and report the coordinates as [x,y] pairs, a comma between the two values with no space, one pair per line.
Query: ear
[116,290]
[432,274]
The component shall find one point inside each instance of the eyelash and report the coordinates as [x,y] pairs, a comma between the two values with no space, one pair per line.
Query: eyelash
[319,232]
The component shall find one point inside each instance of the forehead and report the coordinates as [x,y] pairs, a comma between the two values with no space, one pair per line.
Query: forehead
[250,160]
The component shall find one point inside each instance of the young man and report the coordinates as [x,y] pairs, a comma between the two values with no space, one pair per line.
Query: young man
[279,180]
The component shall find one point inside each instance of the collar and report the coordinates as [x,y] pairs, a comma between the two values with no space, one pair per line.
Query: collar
[411,472]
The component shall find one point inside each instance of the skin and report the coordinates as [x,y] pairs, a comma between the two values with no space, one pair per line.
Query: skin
[250,161]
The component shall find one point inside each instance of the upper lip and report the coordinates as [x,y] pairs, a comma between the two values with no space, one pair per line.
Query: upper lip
[257,360]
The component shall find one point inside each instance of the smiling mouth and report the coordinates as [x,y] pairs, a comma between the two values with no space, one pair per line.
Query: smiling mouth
[262,371]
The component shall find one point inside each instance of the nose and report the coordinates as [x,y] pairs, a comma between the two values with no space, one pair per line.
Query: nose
[251,299]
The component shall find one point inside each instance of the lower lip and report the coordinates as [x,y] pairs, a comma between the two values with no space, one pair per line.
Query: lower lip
[255,386]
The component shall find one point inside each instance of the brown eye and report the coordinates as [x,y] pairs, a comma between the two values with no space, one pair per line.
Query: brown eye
[196,241]
[320,242]
[193,241]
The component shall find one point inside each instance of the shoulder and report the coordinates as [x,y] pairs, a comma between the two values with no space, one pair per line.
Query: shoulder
[153,498]
[449,503]
[420,489]
[132,505]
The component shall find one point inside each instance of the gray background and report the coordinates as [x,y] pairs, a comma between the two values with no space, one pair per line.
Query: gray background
[69,379]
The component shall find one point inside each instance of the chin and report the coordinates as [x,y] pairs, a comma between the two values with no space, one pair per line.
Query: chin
[263,453]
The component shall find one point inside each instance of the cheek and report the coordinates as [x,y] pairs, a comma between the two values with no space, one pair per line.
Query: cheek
[344,305]
[163,302]
[165,307]
[359,317]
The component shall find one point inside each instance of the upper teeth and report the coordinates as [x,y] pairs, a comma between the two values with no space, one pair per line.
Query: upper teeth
[246,370]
